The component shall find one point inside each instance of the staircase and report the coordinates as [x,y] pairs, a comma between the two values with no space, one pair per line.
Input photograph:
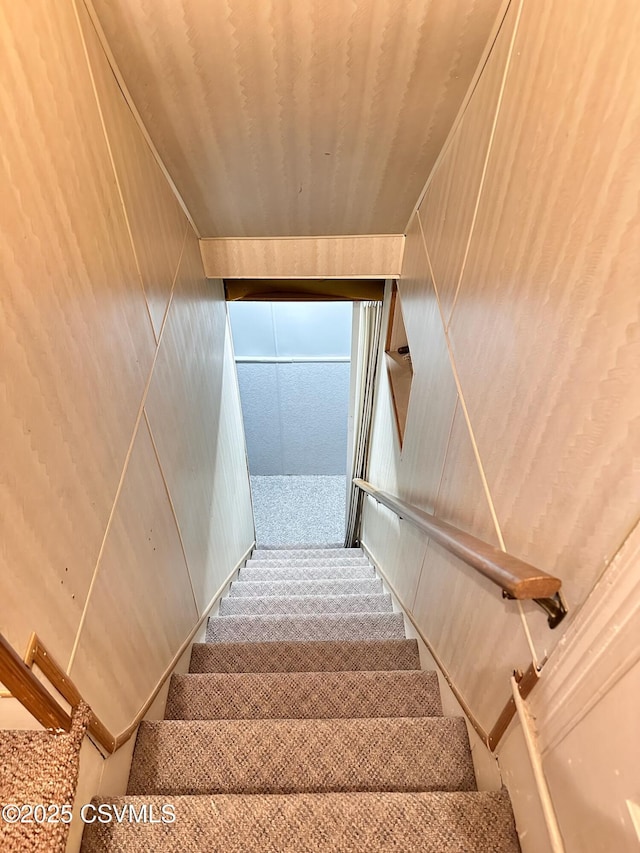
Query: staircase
[306,725]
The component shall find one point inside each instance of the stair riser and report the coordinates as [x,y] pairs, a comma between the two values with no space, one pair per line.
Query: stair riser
[305,657]
[305,605]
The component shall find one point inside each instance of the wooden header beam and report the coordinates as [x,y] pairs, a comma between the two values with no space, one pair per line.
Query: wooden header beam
[360,256]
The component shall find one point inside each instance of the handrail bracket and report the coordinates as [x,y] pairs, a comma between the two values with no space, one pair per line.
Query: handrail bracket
[555,608]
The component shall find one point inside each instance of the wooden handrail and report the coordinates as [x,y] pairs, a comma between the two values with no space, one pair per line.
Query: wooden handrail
[20,680]
[516,578]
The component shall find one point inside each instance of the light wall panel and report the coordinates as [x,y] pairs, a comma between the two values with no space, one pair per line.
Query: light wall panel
[184,406]
[141,607]
[433,391]
[448,207]
[595,777]
[76,341]
[544,336]
[231,526]
[546,330]
[544,345]
[84,214]
[458,609]
[154,216]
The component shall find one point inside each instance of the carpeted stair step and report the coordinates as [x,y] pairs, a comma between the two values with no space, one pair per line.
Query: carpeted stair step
[329,626]
[299,695]
[305,604]
[301,756]
[311,563]
[300,546]
[259,589]
[40,767]
[305,553]
[328,656]
[306,573]
[435,822]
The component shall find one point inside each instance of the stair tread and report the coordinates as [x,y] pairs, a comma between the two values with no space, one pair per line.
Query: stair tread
[306,604]
[327,586]
[325,626]
[280,553]
[304,562]
[310,656]
[434,822]
[297,756]
[297,695]
[305,573]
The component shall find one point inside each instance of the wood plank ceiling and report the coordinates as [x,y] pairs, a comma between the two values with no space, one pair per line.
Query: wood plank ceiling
[298,117]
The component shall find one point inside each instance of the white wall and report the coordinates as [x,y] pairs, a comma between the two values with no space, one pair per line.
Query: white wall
[295,412]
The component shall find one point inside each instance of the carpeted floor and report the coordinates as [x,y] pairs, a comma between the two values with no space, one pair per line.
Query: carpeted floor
[295,510]
[305,725]
[40,767]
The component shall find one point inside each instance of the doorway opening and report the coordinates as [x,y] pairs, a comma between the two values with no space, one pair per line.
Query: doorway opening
[293,362]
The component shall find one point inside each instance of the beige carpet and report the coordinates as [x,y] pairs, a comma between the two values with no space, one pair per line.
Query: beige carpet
[325,626]
[39,767]
[305,605]
[298,733]
[327,656]
[295,553]
[299,695]
[304,562]
[305,573]
[261,589]
[318,823]
[302,756]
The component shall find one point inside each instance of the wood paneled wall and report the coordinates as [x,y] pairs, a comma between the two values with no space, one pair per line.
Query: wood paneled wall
[122,440]
[521,302]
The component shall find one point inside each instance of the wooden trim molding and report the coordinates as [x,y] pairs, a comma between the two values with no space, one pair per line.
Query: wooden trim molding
[31,693]
[525,684]
[18,676]
[535,760]
[518,579]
